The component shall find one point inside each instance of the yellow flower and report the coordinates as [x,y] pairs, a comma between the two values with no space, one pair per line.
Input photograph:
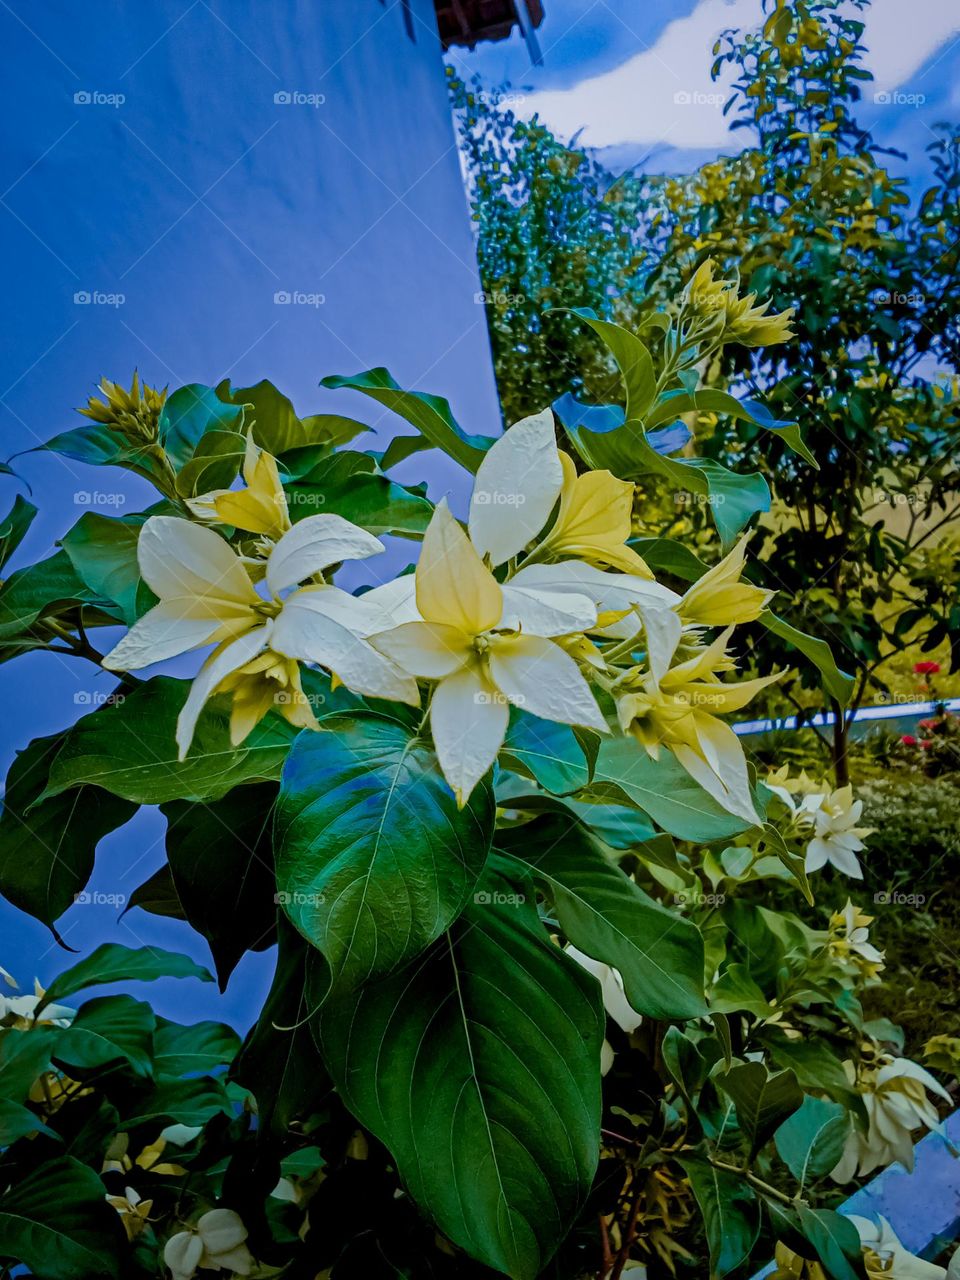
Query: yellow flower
[750,325]
[720,599]
[259,508]
[270,682]
[486,650]
[594,521]
[133,1211]
[849,940]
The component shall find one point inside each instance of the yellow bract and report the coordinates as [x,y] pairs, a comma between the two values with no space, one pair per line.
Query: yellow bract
[271,682]
[720,599]
[594,521]
[259,508]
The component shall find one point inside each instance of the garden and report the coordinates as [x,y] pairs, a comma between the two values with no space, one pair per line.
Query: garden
[577,975]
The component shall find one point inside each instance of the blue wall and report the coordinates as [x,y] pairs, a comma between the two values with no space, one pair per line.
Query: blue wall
[181,163]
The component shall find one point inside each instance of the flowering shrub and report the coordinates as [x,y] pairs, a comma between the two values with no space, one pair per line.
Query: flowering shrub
[529,1004]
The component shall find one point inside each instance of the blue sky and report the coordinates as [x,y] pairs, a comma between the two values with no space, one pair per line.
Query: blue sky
[634,77]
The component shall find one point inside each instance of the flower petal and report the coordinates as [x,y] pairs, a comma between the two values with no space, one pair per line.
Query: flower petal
[182,1254]
[164,632]
[178,558]
[313,545]
[425,649]
[518,483]
[538,676]
[217,667]
[305,629]
[725,777]
[468,718]
[454,587]
[546,613]
[220,1230]
[610,592]
[397,600]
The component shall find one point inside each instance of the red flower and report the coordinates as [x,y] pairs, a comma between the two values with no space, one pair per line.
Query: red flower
[926,743]
[927,724]
[926,668]
[908,740]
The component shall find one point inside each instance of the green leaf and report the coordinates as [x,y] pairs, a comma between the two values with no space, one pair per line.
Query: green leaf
[429,414]
[197,1049]
[158,895]
[215,463]
[712,400]
[735,991]
[662,789]
[607,916]
[188,414]
[14,526]
[763,1101]
[665,555]
[545,751]
[837,683]
[189,1102]
[633,360]
[280,1063]
[478,1066]
[17,1121]
[47,848]
[106,1030]
[811,1141]
[835,1239]
[276,426]
[56,1221]
[114,963]
[731,1214]
[400,448]
[374,859]
[103,552]
[101,446]
[129,749]
[48,589]
[351,485]
[816,1067]
[22,1059]
[221,861]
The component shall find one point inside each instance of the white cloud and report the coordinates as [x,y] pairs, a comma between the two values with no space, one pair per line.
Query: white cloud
[664,94]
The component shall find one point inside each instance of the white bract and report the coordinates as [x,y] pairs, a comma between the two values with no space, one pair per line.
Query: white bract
[836,838]
[216,1243]
[895,1096]
[207,596]
[884,1256]
[615,1000]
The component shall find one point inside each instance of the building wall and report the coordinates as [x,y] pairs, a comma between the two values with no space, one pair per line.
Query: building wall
[186,165]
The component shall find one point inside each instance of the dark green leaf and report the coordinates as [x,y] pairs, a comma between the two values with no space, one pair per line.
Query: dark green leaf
[129,749]
[607,916]
[198,1049]
[763,1101]
[16,1121]
[158,895]
[113,963]
[188,414]
[429,414]
[103,552]
[189,1102]
[836,682]
[545,751]
[14,527]
[47,848]
[731,1214]
[351,485]
[836,1241]
[374,859]
[478,1066]
[108,1029]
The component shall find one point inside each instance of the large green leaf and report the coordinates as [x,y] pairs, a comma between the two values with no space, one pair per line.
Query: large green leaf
[276,426]
[47,848]
[221,860]
[836,1241]
[731,1214]
[607,916]
[429,414]
[103,552]
[633,360]
[837,683]
[811,1141]
[57,1222]
[662,789]
[14,526]
[198,1048]
[99,445]
[106,1030]
[478,1066]
[351,484]
[713,400]
[763,1101]
[189,1102]
[114,963]
[188,414]
[16,1121]
[374,859]
[548,752]
[23,1058]
[280,1063]
[49,589]
[129,749]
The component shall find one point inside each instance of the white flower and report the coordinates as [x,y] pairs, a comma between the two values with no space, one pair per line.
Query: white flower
[486,649]
[615,1001]
[849,939]
[895,1097]
[216,1243]
[884,1256]
[837,839]
[207,597]
[21,1009]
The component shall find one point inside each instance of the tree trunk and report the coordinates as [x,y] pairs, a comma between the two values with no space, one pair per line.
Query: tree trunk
[841,742]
